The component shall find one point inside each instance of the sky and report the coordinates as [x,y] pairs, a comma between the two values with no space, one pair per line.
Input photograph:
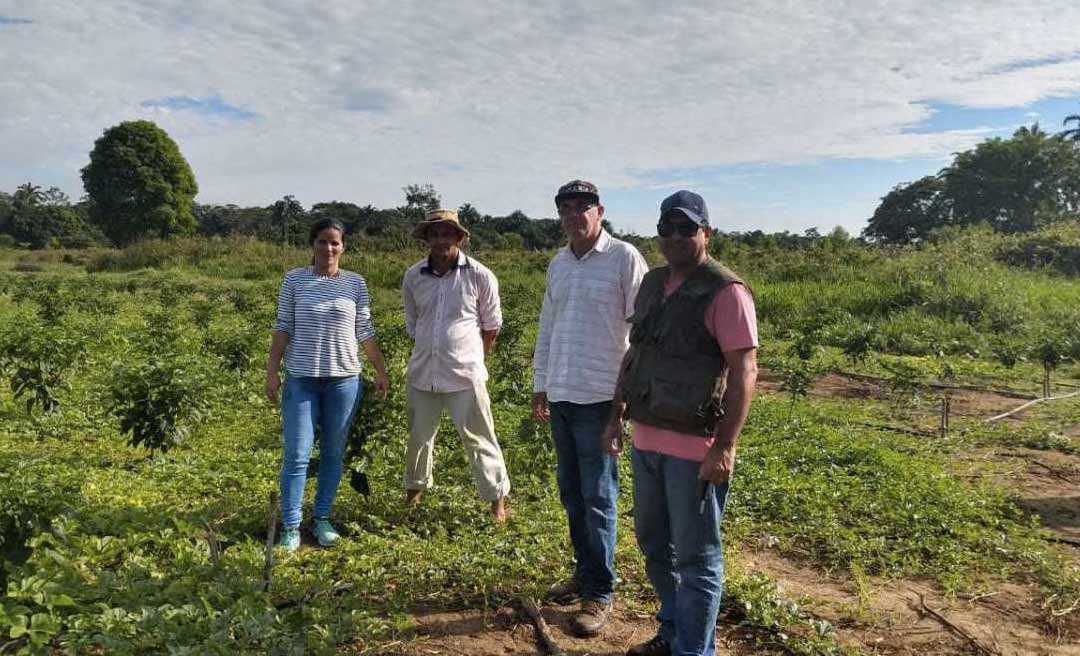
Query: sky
[784,116]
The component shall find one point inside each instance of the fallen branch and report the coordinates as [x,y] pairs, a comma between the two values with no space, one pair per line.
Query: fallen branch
[972,640]
[543,634]
[1031,403]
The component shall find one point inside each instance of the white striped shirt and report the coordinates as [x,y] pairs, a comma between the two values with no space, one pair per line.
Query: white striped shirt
[583,330]
[325,317]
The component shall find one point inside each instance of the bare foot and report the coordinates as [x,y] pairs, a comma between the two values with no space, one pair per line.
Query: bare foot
[499,510]
[412,497]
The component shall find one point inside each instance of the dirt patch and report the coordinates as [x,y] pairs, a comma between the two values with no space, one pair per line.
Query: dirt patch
[505,632]
[886,616]
[1050,488]
[964,402]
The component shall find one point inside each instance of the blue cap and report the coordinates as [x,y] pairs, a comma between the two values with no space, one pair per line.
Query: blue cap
[689,203]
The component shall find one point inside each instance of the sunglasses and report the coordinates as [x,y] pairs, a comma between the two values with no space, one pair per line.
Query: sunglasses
[667,229]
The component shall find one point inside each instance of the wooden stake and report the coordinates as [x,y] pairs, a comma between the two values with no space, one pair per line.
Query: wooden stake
[271,524]
[543,634]
[215,546]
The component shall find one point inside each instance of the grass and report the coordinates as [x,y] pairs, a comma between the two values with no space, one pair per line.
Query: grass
[107,548]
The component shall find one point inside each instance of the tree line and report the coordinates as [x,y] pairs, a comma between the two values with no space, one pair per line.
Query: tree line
[139,186]
[1019,184]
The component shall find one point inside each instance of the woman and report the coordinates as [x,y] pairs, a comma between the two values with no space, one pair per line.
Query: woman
[323,312]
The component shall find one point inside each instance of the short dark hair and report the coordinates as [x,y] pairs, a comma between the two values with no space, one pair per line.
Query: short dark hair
[323,224]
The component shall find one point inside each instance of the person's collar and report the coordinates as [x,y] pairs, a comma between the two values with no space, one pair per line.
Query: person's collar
[462,263]
[602,245]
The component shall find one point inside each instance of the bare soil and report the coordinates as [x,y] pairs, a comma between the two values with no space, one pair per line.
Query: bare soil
[886,617]
[507,632]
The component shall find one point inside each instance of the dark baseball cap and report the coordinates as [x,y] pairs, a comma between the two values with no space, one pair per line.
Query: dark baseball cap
[689,203]
[577,188]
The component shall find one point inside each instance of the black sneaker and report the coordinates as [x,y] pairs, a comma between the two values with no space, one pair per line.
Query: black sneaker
[655,647]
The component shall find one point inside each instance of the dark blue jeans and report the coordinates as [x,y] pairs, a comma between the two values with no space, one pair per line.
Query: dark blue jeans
[684,556]
[588,487]
[328,403]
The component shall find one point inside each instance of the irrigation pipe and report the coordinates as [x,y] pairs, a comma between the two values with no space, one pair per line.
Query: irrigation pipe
[1031,403]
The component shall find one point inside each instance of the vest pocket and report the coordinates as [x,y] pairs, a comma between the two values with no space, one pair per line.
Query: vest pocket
[677,401]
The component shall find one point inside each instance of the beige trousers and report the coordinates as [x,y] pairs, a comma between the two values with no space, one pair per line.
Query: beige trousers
[470,410]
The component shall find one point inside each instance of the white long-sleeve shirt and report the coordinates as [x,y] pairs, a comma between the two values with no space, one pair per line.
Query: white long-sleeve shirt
[583,329]
[444,315]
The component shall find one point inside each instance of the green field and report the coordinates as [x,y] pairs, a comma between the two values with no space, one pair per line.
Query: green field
[113,548]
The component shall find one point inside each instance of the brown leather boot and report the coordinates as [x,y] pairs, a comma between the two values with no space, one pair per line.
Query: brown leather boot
[592,617]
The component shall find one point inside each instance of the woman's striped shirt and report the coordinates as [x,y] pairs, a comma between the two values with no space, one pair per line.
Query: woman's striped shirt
[325,317]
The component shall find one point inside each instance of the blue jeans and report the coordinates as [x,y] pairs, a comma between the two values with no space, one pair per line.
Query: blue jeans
[588,487]
[684,556]
[328,403]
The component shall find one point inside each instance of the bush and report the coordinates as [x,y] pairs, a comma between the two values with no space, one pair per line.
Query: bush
[158,401]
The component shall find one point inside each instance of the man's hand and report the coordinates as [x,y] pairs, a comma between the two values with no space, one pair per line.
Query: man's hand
[273,384]
[540,410]
[612,438]
[382,384]
[718,466]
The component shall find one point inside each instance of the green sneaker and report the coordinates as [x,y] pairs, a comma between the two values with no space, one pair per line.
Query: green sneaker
[325,533]
[290,539]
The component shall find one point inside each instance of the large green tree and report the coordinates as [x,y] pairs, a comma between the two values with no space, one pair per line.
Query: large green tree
[1015,184]
[909,212]
[139,184]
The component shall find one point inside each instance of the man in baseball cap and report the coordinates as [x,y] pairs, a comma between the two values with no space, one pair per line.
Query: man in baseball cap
[591,284]
[686,385]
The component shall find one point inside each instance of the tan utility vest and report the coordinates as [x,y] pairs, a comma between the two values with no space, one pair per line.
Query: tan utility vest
[676,373]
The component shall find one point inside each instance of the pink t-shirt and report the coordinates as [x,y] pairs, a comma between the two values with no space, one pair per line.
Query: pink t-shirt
[731,319]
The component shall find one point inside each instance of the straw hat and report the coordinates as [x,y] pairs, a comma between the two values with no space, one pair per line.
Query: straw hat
[436,217]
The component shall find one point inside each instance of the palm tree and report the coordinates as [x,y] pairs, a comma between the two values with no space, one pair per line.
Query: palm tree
[1071,133]
[27,195]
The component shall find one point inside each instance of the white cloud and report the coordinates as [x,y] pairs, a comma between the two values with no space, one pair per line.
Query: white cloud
[356,99]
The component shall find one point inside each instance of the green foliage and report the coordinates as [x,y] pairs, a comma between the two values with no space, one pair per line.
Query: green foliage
[235,343]
[38,360]
[909,213]
[754,600]
[1056,248]
[906,380]
[139,184]
[127,538]
[857,340]
[1016,185]
[158,401]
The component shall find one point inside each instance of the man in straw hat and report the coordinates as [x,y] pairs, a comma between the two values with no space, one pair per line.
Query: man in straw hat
[452,313]
[591,285]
